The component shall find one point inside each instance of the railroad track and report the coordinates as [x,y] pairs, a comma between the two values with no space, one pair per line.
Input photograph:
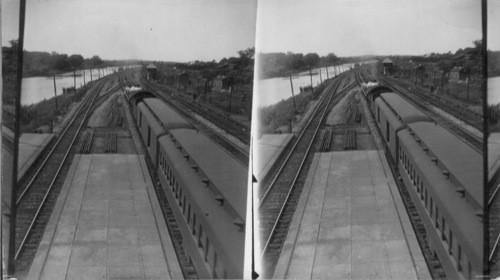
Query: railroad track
[277,204]
[454,125]
[470,117]
[37,196]
[493,206]
[241,154]
[186,265]
[240,131]
[433,264]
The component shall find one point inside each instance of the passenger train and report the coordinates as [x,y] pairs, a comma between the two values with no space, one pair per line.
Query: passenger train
[206,187]
[444,177]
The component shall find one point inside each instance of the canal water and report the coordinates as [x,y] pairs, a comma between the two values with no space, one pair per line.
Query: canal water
[272,91]
[494,90]
[36,89]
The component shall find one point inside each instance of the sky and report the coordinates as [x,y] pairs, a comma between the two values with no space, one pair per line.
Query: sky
[493,25]
[358,27]
[168,30]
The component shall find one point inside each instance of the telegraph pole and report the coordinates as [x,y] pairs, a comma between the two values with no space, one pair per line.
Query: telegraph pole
[320,78]
[74,78]
[90,70]
[55,99]
[468,81]
[293,96]
[311,75]
[327,77]
[10,205]
[83,76]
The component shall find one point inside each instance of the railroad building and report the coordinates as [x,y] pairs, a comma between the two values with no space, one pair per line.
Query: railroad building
[222,83]
[458,74]
[420,72]
[151,71]
[205,186]
[443,175]
[388,66]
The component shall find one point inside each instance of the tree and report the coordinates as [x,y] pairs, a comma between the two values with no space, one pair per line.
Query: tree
[75,61]
[96,61]
[311,59]
[61,62]
[331,58]
[246,57]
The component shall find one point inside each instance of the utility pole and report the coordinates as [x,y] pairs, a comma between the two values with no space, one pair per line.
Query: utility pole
[293,96]
[83,76]
[311,75]
[468,81]
[9,195]
[90,70]
[320,78]
[442,83]
[74,78]
[327,77]
[55,99]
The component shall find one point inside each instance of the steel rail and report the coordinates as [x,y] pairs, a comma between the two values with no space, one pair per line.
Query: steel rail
[39,209]
[282,208]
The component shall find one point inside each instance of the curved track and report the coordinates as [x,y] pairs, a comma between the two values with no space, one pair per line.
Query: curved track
[188,111]
[444,115]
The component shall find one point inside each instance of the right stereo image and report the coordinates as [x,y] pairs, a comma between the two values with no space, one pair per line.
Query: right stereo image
[376,154]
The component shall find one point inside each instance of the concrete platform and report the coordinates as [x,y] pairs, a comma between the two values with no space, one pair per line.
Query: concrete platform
[267,150]
[351,223]
[106,224]
[30,147]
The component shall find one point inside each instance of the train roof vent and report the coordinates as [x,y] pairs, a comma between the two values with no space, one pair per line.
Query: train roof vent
[426,150]
[186,156]
[220,199]
[194,167]
[479,213]
[435,160]
[205,181]
[446,173]
[461,191]
[239,222]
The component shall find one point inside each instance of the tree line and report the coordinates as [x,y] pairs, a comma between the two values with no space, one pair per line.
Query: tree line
[44,63]
[277,64]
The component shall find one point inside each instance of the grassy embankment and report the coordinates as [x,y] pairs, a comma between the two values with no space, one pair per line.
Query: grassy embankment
[276,118]
[43,113]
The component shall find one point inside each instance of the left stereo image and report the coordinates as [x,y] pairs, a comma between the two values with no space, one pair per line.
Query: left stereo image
[126,139]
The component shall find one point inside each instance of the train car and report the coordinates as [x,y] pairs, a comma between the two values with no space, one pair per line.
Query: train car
[154,119]
[205,185]
[444,176]
[150,128]
[209,187]
[392,114]
[444,179]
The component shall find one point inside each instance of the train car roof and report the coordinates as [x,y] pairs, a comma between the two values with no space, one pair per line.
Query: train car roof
[403,108]
[464,213]
[151,120]
[228,175]
[217,218]
[166,114]
[460,159]
[493,154]
[390,116]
